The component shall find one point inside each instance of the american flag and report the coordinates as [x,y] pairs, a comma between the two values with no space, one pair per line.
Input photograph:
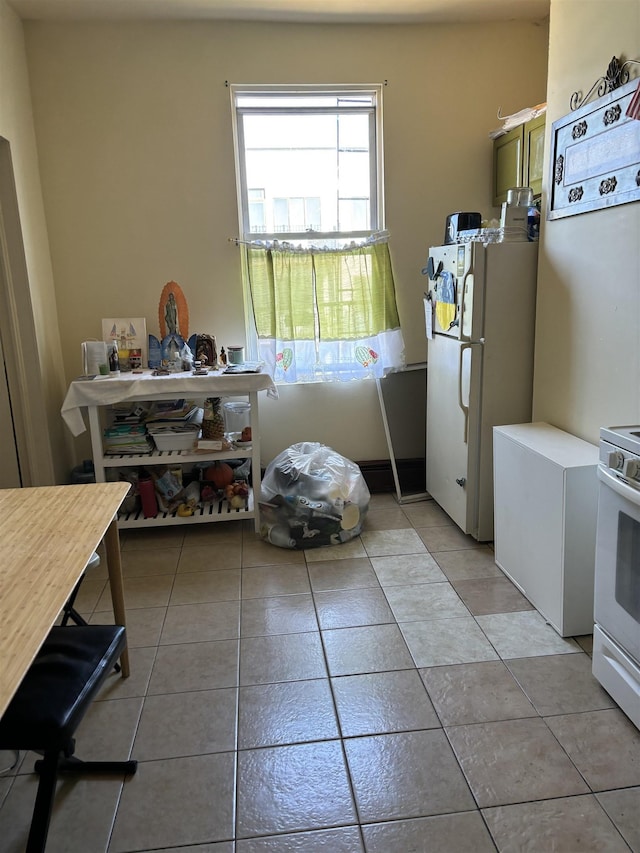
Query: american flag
[633,110]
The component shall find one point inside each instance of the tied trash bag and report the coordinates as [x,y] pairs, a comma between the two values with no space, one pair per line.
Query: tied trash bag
[312,496]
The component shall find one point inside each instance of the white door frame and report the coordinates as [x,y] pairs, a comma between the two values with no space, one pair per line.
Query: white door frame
[18,336]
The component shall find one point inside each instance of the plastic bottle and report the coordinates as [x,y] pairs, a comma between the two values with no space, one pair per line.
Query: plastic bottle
[278,535]
[147,493]
[114,364]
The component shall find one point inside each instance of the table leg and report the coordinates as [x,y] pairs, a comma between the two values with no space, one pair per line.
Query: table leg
[114,566]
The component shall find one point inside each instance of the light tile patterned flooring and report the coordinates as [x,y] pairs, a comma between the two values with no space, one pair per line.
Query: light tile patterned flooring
[392,694]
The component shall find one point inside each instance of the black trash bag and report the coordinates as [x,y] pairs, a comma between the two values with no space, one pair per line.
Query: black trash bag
[312,496]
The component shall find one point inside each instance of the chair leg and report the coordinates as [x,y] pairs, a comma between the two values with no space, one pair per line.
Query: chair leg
[80,767]
[71,764]
[69,611]
[44,803]
[49,768]
[72,613]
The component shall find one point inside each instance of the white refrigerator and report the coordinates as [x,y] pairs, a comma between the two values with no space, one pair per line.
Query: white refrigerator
[480,319]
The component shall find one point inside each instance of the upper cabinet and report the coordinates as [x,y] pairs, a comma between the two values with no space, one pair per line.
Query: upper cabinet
[518,159]
[534,154]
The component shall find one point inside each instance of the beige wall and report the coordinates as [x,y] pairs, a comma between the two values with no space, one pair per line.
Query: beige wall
[28,298]
[133,128]
[588,317]
[134,138]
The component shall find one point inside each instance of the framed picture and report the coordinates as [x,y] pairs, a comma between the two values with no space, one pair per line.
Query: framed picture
[595,156]
[130,334]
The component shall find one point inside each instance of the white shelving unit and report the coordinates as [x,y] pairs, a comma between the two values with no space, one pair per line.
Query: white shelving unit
[546,501]
[98,395]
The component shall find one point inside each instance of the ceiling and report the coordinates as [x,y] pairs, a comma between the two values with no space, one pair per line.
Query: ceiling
[304,11]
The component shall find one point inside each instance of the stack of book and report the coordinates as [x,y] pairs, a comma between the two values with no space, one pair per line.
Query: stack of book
[173,411]
[121,438]
[127,433]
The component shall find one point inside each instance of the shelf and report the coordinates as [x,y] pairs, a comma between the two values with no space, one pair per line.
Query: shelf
[167,457]
[210,512]
[97,397]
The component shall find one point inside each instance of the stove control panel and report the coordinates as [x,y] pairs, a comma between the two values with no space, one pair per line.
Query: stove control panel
[621,462]
[615,460]
[631,469]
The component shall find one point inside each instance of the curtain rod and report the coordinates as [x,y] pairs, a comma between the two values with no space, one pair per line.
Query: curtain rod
[377,236]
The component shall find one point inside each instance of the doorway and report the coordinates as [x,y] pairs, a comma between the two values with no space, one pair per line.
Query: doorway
[25,458]
[9,463]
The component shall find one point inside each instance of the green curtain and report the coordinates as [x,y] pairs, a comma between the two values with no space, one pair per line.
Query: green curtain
[331,295]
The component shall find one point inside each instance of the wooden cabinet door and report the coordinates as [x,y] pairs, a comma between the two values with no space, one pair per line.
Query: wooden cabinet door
[534,154]
[508,163]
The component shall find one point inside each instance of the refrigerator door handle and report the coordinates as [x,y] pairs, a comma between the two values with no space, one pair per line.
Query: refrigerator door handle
[462,290]
[464,408]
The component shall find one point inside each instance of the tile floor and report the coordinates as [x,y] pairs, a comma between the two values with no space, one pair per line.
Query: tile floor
[392,694]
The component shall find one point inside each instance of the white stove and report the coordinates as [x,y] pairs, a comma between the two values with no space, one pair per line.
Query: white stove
[616,636]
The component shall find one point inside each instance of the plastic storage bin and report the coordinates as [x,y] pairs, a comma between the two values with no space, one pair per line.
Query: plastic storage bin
[175,439]
[237,416]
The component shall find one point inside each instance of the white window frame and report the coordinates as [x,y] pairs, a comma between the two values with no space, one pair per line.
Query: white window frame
[376,178]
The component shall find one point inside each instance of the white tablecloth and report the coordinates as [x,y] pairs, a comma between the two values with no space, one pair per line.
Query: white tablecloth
[144,386]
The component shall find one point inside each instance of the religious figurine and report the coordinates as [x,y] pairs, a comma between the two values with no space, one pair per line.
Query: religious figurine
[173,317]
[205,350]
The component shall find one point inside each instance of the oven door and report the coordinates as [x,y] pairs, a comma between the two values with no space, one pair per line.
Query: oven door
[617,568]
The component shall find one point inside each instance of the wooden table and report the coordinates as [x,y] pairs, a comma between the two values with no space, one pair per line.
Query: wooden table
[47,535]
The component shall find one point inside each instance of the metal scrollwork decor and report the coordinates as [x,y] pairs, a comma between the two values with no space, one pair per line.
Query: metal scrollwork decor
[616,75]
[579,130]
[608,185]
[612,115]
[595,150]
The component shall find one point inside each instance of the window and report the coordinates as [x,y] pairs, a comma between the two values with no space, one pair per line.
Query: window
[315,153]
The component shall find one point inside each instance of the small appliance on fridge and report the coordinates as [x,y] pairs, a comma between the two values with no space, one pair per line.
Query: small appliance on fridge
[480,318]
[616,634]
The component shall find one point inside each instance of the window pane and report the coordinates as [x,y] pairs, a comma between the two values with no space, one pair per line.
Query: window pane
[289,131]
[354,214]
[256,218]
[307,99]
[354,131]
[312,213]
[300,157]
[280,214]
[354,174]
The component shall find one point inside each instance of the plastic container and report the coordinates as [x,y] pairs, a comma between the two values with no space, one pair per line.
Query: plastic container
[520,197]
[235,355]
[237,416]
[166,439]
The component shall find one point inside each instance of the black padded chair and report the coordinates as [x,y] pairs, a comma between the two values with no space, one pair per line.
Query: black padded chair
[47,708]
[69,612]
